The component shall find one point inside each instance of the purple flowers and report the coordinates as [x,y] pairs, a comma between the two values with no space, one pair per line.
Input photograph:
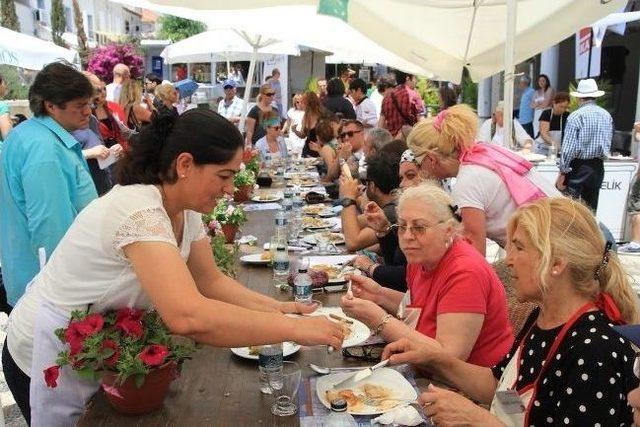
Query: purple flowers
[104,58]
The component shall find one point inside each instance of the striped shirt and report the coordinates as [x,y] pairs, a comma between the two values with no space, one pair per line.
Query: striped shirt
[587,136]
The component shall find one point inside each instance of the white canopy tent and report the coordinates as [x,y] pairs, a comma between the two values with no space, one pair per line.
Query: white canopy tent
[228,44]
[24,51]
[443,36]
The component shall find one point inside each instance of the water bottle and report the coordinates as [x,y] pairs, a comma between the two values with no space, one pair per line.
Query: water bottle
[298,203]
[281,224]
[267,161]
[302,285]
[280,267]
[287,202]
[339,416]
[270,368]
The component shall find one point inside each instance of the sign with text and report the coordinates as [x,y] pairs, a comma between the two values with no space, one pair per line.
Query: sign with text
[586,51]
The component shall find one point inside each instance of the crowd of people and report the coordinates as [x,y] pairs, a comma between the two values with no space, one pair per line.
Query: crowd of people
[420,196]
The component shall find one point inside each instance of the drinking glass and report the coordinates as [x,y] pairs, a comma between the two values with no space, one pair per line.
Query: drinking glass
[295,227]
[275,242]
[285,388]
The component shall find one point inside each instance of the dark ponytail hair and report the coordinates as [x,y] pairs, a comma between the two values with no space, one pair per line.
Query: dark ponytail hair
[207,136]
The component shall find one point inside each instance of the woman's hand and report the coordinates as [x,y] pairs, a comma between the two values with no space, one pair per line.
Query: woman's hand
[348,187]
[364,287]
[409,351]
[315,146]
[447,408]
[363,263]
[318,330]
[97,152]
[364,310]
[296,307]
[376,218]
[116,150]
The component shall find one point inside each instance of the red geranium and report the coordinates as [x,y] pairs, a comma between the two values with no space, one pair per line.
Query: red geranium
[74,336]
[111,361]
[51,376]
[248,155]
[91,325]
[154,354]
[129,321]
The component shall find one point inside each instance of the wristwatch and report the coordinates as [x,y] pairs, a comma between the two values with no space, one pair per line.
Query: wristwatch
[346,202]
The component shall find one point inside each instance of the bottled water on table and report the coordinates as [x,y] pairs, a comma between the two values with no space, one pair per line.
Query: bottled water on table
[339,416]
[281,224]
[280,266]
[302,285]
[298,202]
[287,202]
[270,368]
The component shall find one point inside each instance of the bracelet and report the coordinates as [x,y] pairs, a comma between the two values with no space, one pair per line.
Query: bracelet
[385,319]
[383,233]
[371,267]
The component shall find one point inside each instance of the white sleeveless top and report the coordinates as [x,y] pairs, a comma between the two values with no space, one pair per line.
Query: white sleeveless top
[89,267]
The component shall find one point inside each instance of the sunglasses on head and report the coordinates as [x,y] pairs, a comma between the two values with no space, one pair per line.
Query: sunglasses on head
[349,133]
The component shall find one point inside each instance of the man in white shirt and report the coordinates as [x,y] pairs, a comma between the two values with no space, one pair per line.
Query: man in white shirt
[385,84]
[230,107]
[492,131]
[121,73]
[365,108]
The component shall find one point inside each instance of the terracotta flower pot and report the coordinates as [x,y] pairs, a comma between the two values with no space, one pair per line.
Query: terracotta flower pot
[243,194]
[131,400]
[230,231]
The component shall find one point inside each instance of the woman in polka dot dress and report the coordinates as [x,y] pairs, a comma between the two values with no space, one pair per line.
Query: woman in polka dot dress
[568,366]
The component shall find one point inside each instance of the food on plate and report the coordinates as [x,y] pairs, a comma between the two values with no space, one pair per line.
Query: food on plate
[354,403]
[310,222]
[265,256]
[376,391]
[318,278]
[313,209]
[380,395]
[265,197]
[333,271]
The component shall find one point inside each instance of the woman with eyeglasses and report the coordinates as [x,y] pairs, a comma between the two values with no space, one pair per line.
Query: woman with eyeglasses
[253,125]
[568,366]
[491,181]
[455,301]
[273,142]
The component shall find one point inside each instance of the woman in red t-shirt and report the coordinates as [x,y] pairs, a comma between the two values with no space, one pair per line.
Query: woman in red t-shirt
[454,298]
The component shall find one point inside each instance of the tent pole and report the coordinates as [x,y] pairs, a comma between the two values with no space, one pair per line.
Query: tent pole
[247,89]
[507,126]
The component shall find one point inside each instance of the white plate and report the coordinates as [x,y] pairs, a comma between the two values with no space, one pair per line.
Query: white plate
[621,158]
[385,377]
[314,209]
[311,239]
[328,223]
[288,348]
[327,213]
[273,198]
[533,157]
[254,259]
[359,331]
[340,278]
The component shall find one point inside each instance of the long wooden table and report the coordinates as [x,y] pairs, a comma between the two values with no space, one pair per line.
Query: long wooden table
[217,387]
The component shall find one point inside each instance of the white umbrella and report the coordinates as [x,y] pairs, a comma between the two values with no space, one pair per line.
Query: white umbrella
[24,51]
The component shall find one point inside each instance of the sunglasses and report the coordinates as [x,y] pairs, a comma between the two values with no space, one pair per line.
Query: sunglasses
[275,127]
[349,134]
[269,94]
[369,353]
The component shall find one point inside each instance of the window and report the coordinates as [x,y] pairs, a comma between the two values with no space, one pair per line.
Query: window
[126,27]
[90,32]
[68,17]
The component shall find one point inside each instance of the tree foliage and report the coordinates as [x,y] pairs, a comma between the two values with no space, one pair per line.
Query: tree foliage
[58,22]
[175,28]
[83,49]
[8,16]
[104,58]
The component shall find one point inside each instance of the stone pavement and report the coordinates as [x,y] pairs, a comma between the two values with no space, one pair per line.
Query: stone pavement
[13,417]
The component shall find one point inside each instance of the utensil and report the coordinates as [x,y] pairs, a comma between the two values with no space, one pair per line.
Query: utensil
[323,370]
[372,401]
[340,318]
[361,375]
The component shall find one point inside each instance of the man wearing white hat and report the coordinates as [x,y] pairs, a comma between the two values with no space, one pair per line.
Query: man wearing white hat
[587,142]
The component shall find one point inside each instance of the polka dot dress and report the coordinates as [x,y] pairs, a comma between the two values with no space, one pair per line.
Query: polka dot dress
[588,379]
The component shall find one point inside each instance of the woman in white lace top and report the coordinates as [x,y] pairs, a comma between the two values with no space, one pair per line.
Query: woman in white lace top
[143,245]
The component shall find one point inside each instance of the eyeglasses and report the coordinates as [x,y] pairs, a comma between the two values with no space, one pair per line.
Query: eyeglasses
[369,353]
[269,94]
[349,134]
[416,230]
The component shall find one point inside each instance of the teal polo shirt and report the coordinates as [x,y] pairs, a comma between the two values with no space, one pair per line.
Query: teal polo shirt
[44,184]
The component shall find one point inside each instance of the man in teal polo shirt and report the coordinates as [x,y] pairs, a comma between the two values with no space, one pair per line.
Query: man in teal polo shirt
[44,179]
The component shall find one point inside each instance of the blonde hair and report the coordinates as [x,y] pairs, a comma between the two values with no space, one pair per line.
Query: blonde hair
[164,91]
[455,130]
[562,227]
[439,202]
[130,95]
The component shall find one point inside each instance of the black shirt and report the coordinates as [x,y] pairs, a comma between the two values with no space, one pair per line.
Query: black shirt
[340,105]
[557,122]
[587,381]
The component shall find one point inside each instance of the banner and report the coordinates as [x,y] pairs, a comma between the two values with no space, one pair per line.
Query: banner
[586,52]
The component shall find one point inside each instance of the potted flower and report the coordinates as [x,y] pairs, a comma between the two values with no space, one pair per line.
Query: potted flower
[223,252]
[131,351]
[225,217]
[244,180]
[251,161]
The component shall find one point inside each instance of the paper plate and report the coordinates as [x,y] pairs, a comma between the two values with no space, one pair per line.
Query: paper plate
[390,379]
[254,259]
[264,199]
[311,239]
[359,331]
[288,348]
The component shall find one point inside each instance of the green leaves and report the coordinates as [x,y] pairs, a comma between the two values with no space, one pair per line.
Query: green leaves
[176,29]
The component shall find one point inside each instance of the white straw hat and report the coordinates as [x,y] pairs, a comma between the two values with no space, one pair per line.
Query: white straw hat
[587,88]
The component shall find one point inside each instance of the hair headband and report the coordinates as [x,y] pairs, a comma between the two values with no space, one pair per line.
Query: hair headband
[437,124]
